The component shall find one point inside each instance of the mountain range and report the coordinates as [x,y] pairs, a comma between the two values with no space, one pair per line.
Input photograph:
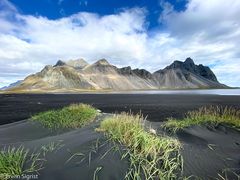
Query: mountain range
[77,75]
[11,85]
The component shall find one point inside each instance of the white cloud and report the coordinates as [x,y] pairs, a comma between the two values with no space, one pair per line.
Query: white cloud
[209,31]
[202,31]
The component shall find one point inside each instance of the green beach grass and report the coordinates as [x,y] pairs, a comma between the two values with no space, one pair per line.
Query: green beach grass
[18,162]
[151,156]
[73,116]
[15,162]
[211,115]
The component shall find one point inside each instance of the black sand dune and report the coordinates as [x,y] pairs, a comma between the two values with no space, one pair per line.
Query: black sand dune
[206,151]
[209,151]
[93,145]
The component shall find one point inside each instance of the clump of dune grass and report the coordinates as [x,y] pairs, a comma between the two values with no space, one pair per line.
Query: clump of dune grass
[51,147]
[151,156]
[210,115]
[15,162]
[73,116]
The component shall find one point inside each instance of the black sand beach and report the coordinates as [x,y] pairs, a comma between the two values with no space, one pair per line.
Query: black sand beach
[207,152]
[158,107]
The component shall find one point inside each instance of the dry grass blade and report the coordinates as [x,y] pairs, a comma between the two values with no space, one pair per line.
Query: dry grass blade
[210,115]
[150,156]
[17,161]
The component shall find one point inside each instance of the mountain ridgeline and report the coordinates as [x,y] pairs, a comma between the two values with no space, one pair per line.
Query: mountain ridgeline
[77,75]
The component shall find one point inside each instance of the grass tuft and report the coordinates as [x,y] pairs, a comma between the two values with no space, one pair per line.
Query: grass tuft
[211,115]
[73,116]
[17,161]
[151,156]
[51,147]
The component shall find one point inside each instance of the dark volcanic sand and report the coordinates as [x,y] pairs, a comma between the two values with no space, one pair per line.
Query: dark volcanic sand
[156,106]
[58,165]
[206,152]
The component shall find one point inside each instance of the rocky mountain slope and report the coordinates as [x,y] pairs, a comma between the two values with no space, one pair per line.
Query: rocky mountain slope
[187,75]
[101,75]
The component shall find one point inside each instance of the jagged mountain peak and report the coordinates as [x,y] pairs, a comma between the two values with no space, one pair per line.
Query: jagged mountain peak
[77,63]
[188,66]
[174,65]
[189,61]
[142,73]
[77,74]
[125,70]
[103,62]
[101,66]
[60,63]
[139,72]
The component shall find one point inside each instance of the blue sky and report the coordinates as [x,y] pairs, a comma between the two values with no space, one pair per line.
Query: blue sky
[140,33]
[55,9]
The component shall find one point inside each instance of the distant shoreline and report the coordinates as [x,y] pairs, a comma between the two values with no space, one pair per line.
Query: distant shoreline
[229,91]
[80,91]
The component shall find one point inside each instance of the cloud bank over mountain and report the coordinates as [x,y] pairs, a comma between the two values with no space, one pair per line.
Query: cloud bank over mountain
[208,31]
